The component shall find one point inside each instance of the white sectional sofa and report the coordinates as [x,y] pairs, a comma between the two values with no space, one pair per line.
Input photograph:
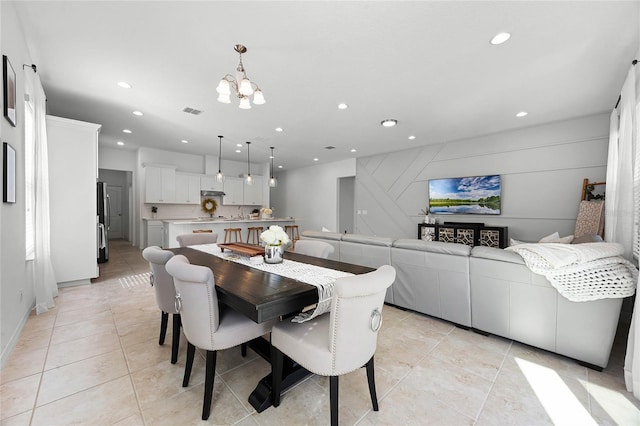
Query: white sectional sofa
[488,289]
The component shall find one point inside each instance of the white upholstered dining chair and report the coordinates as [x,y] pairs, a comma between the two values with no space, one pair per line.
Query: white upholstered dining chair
[204,324]
[314,248]
[338,342]
[193,239]
[162,283]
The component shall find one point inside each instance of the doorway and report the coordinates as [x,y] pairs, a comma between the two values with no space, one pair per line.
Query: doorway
[115,212]
[118,188]
[346,204]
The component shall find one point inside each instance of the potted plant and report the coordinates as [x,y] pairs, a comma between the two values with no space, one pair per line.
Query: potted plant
[154,211]
[255,214]
[266,212]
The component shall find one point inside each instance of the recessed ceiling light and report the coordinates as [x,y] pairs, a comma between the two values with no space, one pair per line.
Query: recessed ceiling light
[138,113]
[343,106]
[279,129]
[120,143]
[280,167]
[315,159]
[124,85]
[126,131]
[239,145]
[353,150]
[238,151]
[500,38]
[389,122]
[522,114]
[184,141]
[411,137]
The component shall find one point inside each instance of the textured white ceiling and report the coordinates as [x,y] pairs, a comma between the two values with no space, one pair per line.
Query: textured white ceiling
[427,64]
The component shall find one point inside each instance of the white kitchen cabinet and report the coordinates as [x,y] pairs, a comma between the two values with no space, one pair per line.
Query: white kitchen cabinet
[160,184]
[233,191]
[73,171]
[252,194]
[187,189]
[209,183]
[155,233]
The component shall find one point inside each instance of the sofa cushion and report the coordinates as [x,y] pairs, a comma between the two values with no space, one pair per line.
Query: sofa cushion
[433,246]
[496,254]
[368,239]
[324,235]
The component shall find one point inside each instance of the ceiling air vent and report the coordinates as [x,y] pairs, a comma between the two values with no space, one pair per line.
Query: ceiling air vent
[329,147]
[192,111]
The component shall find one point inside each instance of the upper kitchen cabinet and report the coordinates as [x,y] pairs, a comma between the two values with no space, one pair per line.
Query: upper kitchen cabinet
[209,183]
[160,184]
[253,193]
[187,189]
[233,190]
[73,172]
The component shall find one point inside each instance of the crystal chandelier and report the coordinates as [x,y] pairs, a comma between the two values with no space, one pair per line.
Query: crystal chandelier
[242,86]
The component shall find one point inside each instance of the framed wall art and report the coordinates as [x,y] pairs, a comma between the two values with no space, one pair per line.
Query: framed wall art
[9,173]
[9,90]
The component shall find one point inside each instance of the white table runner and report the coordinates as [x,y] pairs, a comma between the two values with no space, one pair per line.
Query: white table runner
[322,278]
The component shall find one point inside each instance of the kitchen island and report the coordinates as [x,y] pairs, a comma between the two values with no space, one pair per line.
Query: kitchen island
[175,227]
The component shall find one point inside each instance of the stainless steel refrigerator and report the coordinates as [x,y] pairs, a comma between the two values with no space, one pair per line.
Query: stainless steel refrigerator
[103,222]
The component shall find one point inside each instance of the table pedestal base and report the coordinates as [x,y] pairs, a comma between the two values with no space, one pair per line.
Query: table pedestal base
[292,373]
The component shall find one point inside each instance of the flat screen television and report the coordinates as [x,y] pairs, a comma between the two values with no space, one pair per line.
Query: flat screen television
[466,195]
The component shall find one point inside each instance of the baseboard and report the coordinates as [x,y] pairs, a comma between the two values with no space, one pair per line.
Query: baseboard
[6,351]
[73,283]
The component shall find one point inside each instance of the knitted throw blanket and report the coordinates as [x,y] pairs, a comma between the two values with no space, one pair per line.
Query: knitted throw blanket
[582,272]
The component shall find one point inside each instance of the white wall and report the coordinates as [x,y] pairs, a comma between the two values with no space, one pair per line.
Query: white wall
[17,295]
[310,194]
[542,170]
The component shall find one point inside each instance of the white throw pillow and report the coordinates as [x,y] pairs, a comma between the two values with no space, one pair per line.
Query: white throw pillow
[514,242]
[556,238]
[551,238]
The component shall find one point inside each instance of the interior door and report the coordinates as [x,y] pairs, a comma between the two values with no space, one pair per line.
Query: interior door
[115,213]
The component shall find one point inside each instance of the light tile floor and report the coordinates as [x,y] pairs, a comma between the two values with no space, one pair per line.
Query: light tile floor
[95,359]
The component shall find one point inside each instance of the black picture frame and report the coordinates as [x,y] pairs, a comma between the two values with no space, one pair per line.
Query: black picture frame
[9,91]
[9,173]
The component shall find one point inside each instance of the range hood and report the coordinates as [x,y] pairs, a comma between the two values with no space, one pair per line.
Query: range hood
[211,193]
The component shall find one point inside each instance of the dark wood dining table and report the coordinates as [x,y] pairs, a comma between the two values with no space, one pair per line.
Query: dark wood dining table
[263,296]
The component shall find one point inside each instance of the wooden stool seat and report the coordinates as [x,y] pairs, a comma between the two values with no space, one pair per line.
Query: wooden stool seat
[253,234]
[236,233]
[292,231]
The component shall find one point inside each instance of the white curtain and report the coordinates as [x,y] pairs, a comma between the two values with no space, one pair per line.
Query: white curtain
[619,199]
[628,158]
[46,287]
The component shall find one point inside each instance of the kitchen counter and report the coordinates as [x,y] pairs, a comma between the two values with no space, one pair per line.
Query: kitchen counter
[214,220]
[174,227]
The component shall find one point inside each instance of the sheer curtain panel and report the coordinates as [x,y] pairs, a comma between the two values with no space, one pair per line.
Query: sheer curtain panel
[46,287]
[622,206]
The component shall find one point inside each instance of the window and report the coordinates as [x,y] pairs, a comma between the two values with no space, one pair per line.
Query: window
[29,179]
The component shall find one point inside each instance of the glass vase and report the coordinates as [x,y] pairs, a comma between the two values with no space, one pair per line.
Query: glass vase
[273,254]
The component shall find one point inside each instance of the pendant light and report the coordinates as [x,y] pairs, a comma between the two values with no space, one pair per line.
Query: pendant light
[220,176]
[249,179]
[273,182]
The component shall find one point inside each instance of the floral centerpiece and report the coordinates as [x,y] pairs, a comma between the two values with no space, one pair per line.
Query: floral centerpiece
[274,238]
[266,212]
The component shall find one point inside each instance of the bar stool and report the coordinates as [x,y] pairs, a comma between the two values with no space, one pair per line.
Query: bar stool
[253,234]
[232,232]
[292,231]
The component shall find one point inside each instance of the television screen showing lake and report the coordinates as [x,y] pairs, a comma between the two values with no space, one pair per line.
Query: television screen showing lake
[468,195]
